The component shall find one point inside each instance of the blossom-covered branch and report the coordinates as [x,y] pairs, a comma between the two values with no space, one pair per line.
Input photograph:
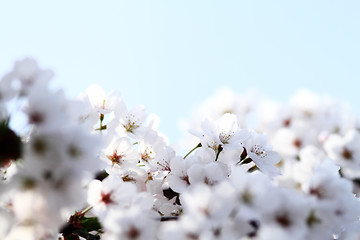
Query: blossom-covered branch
[290,177]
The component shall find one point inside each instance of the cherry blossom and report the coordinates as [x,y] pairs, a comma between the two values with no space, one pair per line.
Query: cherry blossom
[92,168]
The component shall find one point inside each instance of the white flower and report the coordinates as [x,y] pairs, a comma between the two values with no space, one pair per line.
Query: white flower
[83,113]
[225,100]
[274,116]
[70,148]
[120,153]
[46,109]
[155,181]
[154,152]
[333,201]
[130,224]
[178,178]
[286,217]
[44,196]
[211,173]
[326,183]
[81,149]
[7,90]
[297,172]
[166,207]
[173,230]
[130,123]
[221,134]
[261,153]
[111,193]
[102,102]
[343,214]
[31,231]
[137,176]
[289,141]
[206,207]
[30,75]
[251,190]
[346,152]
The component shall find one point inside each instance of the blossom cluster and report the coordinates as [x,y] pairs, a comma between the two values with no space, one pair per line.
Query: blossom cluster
[93,168]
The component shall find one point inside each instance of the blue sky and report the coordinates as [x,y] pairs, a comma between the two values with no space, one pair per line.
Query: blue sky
[171,55]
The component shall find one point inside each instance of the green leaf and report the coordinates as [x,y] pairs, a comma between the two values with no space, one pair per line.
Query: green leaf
[91,224]
[4,123]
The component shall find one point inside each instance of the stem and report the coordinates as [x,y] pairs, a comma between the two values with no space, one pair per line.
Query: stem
[103,127]
[101,120]
[86,209]
[220,148]
[197,146]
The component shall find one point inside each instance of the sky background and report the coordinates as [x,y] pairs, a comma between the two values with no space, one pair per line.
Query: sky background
[171,55]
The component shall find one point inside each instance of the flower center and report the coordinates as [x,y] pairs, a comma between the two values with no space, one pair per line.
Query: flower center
[225,137]
[36,118]
[258,150]
[115,157]
[133,233]
[283,220]
[148,154]
[347,154]
[106,198]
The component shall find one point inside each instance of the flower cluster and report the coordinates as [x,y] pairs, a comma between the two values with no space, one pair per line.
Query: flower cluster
[54,157]
[92,168]
[316,138]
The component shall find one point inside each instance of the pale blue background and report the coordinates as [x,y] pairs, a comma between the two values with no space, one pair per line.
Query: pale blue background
[170,55]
